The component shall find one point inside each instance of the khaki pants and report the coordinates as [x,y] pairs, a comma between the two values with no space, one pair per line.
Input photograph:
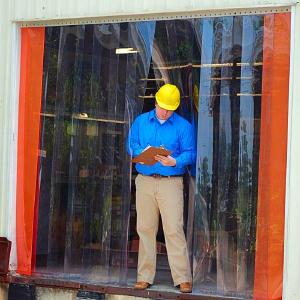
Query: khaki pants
[164,196]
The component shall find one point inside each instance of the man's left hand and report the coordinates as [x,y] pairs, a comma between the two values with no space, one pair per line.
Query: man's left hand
[167,161]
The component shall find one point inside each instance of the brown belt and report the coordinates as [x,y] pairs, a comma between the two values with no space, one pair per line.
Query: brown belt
[162,176]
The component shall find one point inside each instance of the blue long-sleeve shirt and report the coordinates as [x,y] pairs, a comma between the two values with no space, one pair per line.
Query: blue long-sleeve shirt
[175,134]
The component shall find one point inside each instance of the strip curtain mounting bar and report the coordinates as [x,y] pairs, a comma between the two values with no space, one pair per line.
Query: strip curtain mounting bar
[154,17]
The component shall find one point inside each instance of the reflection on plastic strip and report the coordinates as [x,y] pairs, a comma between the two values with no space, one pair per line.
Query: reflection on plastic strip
[230,78]
[126,51]
[79,117]
[208,65]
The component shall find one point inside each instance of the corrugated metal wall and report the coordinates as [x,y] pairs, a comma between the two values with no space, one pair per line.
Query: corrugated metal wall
[57,9]
[291,276]
[4,76]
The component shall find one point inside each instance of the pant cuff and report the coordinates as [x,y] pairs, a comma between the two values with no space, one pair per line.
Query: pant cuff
[181,280]
[145,279]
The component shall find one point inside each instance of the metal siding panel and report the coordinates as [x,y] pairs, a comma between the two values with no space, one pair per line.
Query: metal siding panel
[8,114]
[4,26]
[56,9]
[291,275]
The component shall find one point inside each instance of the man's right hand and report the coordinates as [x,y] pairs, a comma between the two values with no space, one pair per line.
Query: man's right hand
[167,161]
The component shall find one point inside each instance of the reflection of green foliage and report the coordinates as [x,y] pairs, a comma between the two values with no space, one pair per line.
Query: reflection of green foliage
[184,51]
[48,136]
[106,220]
[224,164]
[244,202]
[205,184]
[88,100]
[68,86]
[52,75]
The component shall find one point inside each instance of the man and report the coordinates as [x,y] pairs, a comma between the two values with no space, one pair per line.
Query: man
[159,188]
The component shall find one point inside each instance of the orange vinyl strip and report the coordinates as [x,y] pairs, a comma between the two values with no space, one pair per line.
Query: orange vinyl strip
[272,158]
[31,73]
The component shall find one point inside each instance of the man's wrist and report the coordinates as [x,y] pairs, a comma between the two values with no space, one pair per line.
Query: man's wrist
[174,161]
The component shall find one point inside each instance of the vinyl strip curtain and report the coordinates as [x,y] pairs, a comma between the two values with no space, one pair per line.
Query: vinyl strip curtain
[228,147]
[90,99]
[82,205]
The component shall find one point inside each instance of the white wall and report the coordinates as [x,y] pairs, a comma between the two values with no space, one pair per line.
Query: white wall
[291,285]
[9,75]
[57,9]
[4,81]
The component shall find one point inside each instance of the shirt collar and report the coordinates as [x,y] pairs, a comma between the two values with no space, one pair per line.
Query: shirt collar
[152,116]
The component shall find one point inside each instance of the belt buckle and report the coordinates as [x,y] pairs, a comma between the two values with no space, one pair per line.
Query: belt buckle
[156,175]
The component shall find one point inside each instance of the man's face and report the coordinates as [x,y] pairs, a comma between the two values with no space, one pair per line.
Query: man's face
[163,114]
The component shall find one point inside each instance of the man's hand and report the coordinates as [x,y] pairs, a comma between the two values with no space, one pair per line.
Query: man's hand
[167,161]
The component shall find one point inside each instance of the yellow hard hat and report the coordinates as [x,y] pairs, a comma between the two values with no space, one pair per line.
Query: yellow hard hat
[168,97]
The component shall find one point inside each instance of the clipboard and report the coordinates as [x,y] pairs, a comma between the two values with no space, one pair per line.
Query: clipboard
[147,157]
